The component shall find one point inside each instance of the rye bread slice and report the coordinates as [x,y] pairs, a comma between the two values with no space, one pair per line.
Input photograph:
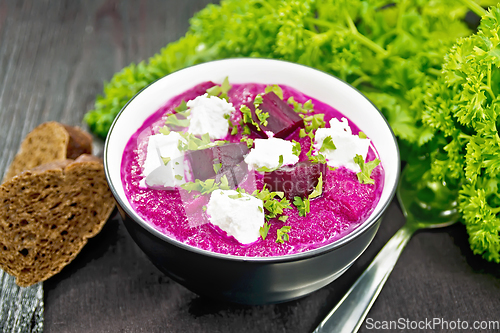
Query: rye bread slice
[47,215]
[48,142]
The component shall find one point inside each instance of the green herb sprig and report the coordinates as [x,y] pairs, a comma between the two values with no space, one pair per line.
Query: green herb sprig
[274,202]
[366,169]
[282,234]
[462,109]
[303,205]
[207,186]
[220,91]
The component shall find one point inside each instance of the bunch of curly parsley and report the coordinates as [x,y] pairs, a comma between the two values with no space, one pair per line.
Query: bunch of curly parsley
[463,106]
[391,50]
[388,49]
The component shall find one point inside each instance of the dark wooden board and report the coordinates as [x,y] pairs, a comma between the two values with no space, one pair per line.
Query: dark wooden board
[54,58]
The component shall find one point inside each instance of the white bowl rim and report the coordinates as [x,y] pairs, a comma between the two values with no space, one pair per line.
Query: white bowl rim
[357,232]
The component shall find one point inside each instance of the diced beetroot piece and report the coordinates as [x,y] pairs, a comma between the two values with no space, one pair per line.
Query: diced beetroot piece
[232,153]
[234,173]
[218,161]
[202,163]
[297,180]
[282,120]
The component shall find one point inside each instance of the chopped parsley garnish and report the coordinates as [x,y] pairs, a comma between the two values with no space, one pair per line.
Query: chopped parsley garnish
[362,135]
[247,118]
[282,235]
[327,144]
[274,202]
[264,230]
[303,205]
[319,158]
[207,186]
[303,134]
[164,130]
[179,177]
[262,116]
[257,101]
[307,107]
[220,91]
[182,107]
[165,160]
[296,148]
[318,189]
[234,127]
[283,218]
[194,143]
[314,122]
[217,166]
[173,121]
[248,141]
[246,130]
[275,89]
[366,169]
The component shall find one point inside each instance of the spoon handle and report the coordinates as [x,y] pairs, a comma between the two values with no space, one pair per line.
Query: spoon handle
[351,311]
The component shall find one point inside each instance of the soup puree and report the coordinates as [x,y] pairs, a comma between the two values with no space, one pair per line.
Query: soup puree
[339,204]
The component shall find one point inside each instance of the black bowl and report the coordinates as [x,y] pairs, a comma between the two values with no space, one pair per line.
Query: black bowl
[252,280]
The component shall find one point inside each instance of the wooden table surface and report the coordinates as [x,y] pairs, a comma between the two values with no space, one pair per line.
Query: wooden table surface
[54,57]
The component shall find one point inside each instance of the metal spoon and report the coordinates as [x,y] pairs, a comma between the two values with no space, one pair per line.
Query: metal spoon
[425,205]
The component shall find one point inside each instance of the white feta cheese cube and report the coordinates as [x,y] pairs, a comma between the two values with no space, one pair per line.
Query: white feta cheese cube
[347,145]
[239,214]
[208,114]
[158,174]
[266,153]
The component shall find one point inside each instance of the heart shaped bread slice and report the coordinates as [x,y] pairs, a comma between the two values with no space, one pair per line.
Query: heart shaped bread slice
[47,215]
[48,142]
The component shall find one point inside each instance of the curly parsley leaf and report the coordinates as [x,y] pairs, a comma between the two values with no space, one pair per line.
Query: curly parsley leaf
[307,107]
[318,190]
[220,91]
[275,89]
[327,144]
[262,116]
[248,141]
[296,149]
[165,160]
[182,107]
[462,108]
[164,130]
[366,169]
[264,230]
[274,202]
[247,118]
[282,234]
[207,186]
[303,205]
[174,121]
[314,122]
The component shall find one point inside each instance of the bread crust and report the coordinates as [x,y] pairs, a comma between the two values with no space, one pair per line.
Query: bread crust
[48,142]
[47,214]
